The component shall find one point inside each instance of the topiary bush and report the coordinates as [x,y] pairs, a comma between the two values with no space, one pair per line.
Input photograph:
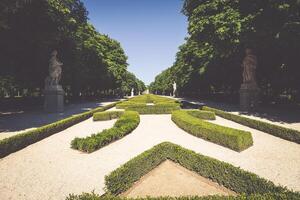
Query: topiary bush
[128,121]
[234,139]
[20,141]
[225,174]
[278,131]
[108,115]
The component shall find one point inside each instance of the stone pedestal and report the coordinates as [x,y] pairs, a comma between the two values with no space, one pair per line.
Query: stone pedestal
[54,99]
[249,94]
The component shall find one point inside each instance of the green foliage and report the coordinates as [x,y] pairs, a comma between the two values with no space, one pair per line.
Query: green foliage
[223,173]
[93,63]
[103,116]
[128,121]
[219,32]
[162,105]
[278,131]
[237,140]
[202,114]
[268,196]
[20,141]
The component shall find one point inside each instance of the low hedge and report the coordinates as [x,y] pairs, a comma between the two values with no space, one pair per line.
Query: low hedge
[234,139]
[20,141]
[103,116]
[123,126]
[225,174]
[278,131]
[154,109]
[268,196]
[202,114]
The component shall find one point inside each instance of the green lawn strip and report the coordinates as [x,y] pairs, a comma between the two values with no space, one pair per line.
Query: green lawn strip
[225,174]
[20,141]
[128,121]
[278,131]
[234,139]
[108,115]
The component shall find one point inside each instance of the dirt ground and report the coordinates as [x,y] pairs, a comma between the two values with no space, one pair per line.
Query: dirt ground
[171,179]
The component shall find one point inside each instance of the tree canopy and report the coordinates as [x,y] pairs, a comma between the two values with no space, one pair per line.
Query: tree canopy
[219,32]
[31,29]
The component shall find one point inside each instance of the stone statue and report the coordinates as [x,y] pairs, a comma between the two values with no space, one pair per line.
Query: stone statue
[132,92]
[249,66]
[54,93]
[174,88]
[249,91]
[55,70]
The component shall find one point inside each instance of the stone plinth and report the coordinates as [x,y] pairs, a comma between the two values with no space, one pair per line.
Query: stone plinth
[54,99]
[249,96]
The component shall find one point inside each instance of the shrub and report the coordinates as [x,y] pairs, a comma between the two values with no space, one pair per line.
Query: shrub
[268,196]
[102,116]
[279,131]
[202,114]
[237,140]
[225,174]
[20,141]
[128,121]
[154,109]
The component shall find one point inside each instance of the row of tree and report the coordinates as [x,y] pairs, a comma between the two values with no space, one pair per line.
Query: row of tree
[30,30]
[209,62]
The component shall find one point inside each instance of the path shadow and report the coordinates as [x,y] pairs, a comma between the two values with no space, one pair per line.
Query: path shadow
[272,113]
[21,120]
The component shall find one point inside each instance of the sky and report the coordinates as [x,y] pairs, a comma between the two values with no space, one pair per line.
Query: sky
[150,31]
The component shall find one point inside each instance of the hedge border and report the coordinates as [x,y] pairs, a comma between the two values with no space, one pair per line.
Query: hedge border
[108,115]
[231,177]
[278,131]
[267,196]
[234,139]
[22,140]
[128,121]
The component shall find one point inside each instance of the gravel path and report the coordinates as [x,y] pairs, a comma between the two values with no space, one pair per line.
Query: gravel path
[50,168]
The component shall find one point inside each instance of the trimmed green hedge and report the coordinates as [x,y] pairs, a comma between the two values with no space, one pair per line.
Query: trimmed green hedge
[225,174]
[202,114]
[123,126]
[278,131]
[20,141]
[269,196]
[237,140]
[103,116]
[162,105]
[154,109]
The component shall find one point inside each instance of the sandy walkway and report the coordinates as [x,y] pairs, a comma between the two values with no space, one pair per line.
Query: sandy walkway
[51,169]
[171,179]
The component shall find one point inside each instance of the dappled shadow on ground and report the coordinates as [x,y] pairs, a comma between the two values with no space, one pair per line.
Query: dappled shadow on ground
[21,120]
[273,113]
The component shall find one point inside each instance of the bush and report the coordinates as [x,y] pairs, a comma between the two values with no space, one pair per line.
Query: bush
[128,121]
[162,105]
[202,114]
[237,140]
[268,196]
[102,116]
[154,109]
[20,141]
[225,174]
[278,131]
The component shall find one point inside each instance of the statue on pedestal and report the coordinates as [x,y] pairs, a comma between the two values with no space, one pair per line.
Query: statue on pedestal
[249,89]
[174,89]
[54,93]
